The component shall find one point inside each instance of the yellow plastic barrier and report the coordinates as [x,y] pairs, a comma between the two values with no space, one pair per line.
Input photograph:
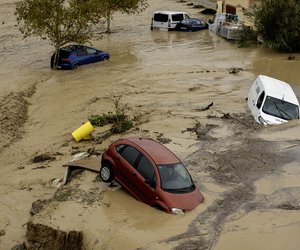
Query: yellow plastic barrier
[83,131]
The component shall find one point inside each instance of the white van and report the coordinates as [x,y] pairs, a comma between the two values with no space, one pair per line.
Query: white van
[272,101]
[167,19]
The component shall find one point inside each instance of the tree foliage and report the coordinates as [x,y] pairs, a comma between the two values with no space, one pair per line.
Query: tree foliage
[278,24]
[58,21]
[108,7]
[247,35]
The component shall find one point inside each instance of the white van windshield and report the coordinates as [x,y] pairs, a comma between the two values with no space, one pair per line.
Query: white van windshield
[280,108]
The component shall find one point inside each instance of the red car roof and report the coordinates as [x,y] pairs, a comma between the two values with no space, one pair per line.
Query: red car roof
[159,153]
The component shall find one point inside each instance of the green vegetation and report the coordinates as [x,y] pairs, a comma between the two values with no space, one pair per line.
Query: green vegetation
[103,119]
[277,24]
[65,21]
[247,37]
[119,120]
[58,21]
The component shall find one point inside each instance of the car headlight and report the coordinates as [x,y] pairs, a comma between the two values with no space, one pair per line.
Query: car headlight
[262,121]
[177,211]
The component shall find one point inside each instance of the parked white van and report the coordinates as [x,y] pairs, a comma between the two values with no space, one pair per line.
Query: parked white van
[167,19]
[272,101]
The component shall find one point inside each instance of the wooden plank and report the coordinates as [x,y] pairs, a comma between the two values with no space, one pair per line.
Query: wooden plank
[90,163]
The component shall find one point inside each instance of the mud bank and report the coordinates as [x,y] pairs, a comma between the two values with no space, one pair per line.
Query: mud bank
[238,168]
[44,237]
[231,169]
[13,115]
[247,174]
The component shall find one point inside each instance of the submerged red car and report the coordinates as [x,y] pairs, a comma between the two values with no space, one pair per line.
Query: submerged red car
[151,173]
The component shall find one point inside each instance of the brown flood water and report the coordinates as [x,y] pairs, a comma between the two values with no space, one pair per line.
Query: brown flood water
[164,77]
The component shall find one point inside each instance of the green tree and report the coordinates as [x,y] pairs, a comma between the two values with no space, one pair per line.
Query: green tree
[58,21]
[125,6]
[278,24]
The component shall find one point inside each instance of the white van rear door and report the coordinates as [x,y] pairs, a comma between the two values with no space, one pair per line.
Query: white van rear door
[160,20]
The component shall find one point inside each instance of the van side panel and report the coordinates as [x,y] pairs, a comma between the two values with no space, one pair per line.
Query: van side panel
[252,96]
[254,93]
[167,19]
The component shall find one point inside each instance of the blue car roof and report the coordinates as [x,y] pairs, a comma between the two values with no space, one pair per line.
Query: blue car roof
[70,48]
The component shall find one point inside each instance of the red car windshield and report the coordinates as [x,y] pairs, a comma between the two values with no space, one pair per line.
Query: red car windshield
[175,178]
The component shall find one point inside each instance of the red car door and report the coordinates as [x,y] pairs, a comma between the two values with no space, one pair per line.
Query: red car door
[126,173]
[146,180]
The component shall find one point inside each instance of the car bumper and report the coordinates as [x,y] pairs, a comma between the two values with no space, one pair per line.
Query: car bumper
[65,66]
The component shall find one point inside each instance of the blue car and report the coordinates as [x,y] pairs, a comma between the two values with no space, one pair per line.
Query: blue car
[75,55]
[191,24]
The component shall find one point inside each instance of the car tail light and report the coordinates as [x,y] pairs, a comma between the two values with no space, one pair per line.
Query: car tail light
[66,60]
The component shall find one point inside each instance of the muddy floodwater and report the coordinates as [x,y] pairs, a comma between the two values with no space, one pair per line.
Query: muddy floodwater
[249,174]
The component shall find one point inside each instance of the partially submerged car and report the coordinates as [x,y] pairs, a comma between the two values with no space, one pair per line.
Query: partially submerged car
[191,24]
[272,101]
[167,19]
[72,56]
[151,173]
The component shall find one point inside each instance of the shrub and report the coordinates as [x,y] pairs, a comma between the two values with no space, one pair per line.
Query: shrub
[119,120]
[277,23]
[247,36]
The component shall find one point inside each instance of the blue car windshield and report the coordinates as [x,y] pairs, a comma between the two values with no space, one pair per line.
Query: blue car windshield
[175,178]
[280,108]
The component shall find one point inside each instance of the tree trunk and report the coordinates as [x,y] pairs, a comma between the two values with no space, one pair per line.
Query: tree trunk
[54,58]
[108,18]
